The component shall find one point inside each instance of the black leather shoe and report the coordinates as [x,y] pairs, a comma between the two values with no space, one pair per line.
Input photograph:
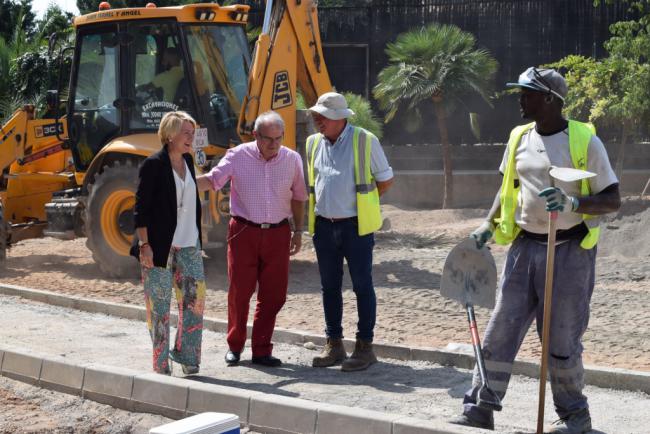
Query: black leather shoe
[232,358]
[269,360]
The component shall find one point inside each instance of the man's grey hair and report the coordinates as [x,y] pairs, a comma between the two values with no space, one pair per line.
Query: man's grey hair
[268,118]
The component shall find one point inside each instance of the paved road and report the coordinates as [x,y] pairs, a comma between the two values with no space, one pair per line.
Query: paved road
[417,389]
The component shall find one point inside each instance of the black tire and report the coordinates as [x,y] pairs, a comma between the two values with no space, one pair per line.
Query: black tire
[108,219]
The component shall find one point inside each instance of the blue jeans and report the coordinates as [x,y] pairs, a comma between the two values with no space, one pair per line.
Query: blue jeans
[520,300]
[334,241]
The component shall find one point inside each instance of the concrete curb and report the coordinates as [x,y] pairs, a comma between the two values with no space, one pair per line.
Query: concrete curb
[178,397]
[611,378]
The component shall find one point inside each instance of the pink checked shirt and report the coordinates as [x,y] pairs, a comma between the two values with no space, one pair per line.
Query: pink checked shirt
[260,191]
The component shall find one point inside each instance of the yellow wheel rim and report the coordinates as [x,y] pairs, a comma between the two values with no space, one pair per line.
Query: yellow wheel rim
[116,203]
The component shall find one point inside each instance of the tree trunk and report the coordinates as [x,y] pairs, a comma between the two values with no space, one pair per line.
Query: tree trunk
[441,117]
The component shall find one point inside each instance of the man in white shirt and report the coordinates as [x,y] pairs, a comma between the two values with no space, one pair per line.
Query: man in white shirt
[551,140]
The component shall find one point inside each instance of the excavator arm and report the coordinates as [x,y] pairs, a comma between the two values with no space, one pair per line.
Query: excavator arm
[288,55]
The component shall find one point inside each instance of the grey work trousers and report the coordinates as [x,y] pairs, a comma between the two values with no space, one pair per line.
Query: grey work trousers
[520,298]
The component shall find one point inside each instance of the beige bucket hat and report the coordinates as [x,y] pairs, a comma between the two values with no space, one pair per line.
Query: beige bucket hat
[333,106]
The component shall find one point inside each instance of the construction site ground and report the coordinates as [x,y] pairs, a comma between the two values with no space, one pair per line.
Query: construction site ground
[412,388]
[409,259]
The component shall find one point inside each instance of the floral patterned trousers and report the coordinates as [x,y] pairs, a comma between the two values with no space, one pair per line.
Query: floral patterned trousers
[184,273]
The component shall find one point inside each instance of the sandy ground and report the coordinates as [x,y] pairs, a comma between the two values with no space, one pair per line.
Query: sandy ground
[29,409]
[411,388]
[408,262]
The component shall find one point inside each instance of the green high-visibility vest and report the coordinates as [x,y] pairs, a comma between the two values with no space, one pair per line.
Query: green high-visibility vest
[368,209]
[579,138]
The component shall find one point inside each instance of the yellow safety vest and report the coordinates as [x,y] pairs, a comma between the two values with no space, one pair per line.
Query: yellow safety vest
[579,138]
[368,210]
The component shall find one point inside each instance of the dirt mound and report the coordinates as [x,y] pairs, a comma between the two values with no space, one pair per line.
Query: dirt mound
[627,233]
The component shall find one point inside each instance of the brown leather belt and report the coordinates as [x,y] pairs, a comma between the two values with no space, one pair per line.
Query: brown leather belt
[261,225]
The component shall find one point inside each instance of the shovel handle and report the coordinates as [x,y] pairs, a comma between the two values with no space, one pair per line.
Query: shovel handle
[476,343]
[471,318]
[546,324]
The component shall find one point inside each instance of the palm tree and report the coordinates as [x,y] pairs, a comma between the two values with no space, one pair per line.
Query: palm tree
[438,63]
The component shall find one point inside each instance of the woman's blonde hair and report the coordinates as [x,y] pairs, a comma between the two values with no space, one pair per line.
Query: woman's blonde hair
[171,124]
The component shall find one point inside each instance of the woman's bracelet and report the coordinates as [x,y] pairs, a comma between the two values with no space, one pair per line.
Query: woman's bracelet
[144,244]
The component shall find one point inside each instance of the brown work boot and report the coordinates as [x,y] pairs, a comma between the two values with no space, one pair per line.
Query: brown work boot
[333,353]
[361,358]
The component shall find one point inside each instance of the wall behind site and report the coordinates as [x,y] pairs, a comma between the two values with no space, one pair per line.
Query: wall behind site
[518,33]
[419,178]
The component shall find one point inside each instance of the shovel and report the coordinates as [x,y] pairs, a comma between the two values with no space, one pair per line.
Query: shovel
[469,277]
[564,174]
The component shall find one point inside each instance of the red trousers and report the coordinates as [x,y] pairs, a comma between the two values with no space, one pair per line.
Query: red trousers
[256,257]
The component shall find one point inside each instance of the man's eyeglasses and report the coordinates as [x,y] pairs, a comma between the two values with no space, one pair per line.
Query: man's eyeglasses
[268,139]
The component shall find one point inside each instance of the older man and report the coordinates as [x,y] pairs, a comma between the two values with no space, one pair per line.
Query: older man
[267,196]
[348,171]
[519,216]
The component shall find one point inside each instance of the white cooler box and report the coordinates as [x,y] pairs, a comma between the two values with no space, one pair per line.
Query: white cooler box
[204,423]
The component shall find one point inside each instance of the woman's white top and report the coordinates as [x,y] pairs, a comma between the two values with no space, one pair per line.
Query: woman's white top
[186,234]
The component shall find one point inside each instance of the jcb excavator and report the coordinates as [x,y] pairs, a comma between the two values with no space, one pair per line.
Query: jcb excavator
[76,175]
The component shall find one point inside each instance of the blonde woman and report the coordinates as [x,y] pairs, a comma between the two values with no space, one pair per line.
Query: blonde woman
[168,228]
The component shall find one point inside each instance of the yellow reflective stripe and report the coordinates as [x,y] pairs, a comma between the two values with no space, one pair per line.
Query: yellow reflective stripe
[370,181]
[311,152]
[507,230]
[360,157]
[355,148]
[368,209]
[500,367]
[312,144]
[499,386]
[566,372]
[365,183]
[579,137]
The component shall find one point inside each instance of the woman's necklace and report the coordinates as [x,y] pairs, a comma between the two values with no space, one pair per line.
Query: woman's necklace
[180,208]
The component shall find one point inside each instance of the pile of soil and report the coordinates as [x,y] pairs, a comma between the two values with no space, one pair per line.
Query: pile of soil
[628,233]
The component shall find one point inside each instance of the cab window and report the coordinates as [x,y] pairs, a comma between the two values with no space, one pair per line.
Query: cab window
[94,119]
[158,79]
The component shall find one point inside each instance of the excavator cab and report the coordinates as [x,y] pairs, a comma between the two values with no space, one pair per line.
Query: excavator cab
[127,74]
[130,67]
[76,175]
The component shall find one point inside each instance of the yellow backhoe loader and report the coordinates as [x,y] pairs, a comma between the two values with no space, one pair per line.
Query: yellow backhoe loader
[76,175]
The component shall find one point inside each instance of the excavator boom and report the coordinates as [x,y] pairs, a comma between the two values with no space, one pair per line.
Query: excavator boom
[288,56]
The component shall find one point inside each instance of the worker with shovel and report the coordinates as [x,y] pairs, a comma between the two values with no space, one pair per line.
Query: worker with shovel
[519,215]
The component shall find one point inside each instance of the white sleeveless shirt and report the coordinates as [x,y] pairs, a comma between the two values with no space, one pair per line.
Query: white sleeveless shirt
[186,234]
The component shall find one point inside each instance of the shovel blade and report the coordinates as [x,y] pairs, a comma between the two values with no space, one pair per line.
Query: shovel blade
[488,399]
[569,174]
[469,275]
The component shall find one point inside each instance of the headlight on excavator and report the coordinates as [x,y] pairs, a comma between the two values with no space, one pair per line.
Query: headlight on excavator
[205,15]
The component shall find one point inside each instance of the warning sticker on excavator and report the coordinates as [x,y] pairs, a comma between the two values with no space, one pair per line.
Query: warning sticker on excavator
[281,90]
[200,138]
[200,158]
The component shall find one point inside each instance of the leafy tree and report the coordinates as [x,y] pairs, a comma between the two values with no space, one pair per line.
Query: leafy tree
[438,63]
[363,114]
[16,15]
[55,20]
[613,92]
[27,68]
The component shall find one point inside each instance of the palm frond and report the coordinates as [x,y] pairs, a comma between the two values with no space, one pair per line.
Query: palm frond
[433,60]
